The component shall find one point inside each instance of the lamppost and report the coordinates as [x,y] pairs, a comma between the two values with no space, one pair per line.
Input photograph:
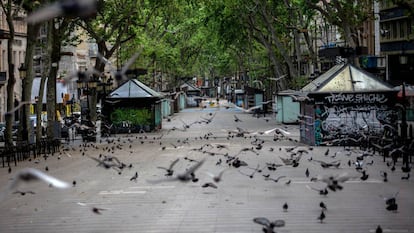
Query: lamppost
[85,86]
[92,96]
[404,116]
[101,90]
[22,74]
[80,85]
[103,87]
[83,89]
[72,101]
[88,87]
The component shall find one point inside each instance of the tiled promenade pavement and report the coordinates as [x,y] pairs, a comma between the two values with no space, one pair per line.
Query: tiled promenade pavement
[174,206]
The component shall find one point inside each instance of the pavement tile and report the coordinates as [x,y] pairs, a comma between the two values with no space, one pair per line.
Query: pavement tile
[187,207]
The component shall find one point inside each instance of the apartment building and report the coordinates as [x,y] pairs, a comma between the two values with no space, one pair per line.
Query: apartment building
[73,59]
[386,43]
[19,48]
[397,41]
[333,49]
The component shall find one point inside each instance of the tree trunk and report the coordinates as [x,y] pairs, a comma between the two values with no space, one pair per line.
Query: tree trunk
[53,48]
[100,67]
[11,79]
[310,48]
[276,65]
[277,71]
[10,97]
[32,31]
[39,108]
[266,19]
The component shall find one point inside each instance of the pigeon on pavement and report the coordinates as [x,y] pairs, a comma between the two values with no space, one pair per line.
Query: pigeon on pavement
[269,226]
[170,170]
[183,177]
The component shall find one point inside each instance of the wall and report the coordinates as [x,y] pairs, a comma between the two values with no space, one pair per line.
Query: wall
[19,52]
[287,110]
[338,116]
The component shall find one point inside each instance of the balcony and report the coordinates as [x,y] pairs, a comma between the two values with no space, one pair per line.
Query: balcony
[342,52]
[4,34]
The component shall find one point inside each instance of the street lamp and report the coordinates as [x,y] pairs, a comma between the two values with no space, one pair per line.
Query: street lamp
[82,86]
[72,101]
[403,115]
[110,83]
[88,87]
[22,71]
[23,74]
[103,86]
[92,84]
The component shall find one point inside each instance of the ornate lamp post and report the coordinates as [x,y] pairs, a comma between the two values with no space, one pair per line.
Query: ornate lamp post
[72,102]
[23,120]
[104,86]
[92,86]
[22,71]
[82,87]
[108,85]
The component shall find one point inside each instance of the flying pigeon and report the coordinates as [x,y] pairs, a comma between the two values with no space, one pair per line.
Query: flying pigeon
[64,8]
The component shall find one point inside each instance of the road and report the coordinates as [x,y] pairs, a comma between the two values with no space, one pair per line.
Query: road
[174,206]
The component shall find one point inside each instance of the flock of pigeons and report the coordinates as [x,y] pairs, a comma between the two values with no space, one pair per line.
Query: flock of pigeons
[215,145]
[226,159]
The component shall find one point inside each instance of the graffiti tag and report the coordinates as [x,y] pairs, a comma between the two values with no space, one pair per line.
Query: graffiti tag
[357,98]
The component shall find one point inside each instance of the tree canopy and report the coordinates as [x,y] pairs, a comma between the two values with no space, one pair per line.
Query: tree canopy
[222,38]
[262,41]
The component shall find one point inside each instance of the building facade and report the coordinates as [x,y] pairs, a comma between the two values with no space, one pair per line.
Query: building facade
[397,41]
[18,56]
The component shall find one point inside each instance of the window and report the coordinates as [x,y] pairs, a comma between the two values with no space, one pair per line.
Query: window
[14,58]
[403,26]
[4,59]
[17,42]
[3,21]
[385,31]
[394,30]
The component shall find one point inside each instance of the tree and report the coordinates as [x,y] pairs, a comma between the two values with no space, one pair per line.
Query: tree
[306,15]
[178,41]
[347,15]
[243,24]
[53,50]
[300,18]
[32,33]
[116,23]
[228,43]
[10,10]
